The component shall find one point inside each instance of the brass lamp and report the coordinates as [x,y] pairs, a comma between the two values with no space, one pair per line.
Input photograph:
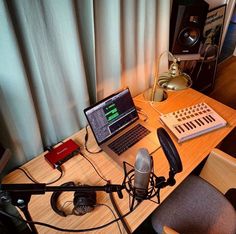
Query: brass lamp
[174,79]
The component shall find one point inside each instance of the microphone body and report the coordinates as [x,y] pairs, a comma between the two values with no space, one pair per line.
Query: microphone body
[142,170]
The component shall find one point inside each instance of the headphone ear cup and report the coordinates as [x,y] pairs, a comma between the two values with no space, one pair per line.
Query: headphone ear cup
[84,202]
[170,150]
[54,199]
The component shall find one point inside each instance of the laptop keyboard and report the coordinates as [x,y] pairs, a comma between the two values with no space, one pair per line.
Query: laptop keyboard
[130,138]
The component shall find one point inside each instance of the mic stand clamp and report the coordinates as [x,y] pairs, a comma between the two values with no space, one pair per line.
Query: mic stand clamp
[171,180]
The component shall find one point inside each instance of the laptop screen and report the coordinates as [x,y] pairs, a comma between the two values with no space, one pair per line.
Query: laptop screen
[110,115]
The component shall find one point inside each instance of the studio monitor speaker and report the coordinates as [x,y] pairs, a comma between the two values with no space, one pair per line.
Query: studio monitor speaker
[186,25]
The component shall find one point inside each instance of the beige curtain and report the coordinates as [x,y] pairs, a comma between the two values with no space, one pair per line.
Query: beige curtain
[127,54]
[58,57]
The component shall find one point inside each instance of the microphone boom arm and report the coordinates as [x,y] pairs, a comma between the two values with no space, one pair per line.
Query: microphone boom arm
[20,194]
[42,188]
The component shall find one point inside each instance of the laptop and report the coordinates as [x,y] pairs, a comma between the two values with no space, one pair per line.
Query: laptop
[117,128]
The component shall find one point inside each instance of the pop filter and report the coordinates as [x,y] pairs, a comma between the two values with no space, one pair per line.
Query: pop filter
[170,150]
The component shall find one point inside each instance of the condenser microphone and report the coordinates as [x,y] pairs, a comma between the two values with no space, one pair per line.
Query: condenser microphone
[142,169]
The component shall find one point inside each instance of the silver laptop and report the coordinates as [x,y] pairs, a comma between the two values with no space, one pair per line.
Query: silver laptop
[118,129]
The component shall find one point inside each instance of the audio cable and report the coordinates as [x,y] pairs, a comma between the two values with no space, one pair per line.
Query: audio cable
[86,142]
[96,170]
[111,198]
[98,204]
[67,230]
[125,225]
[30,177]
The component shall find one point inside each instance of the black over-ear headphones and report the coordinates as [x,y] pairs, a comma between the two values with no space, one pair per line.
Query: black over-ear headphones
[170,151]
[84,201]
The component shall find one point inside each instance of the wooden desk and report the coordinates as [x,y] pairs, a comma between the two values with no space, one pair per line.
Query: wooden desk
[77,169]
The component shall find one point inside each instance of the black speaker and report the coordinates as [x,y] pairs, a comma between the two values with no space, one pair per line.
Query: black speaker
[186,25]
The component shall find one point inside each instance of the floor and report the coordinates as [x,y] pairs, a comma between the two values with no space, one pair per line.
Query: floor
[225,82]
[225,92]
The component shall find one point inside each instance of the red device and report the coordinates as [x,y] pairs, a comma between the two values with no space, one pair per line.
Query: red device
[60,154]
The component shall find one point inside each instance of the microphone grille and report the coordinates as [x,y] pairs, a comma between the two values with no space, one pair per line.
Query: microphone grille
[143,161]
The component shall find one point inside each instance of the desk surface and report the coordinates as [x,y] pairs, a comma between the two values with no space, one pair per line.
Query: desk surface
[79,170]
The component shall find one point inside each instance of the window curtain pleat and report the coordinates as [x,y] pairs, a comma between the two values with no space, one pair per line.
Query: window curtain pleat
[108,46]
[58,57]
[139,44]
[19,126]
[84,10]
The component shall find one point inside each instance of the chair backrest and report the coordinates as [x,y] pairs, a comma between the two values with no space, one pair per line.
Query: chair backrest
[195,207]
[217,165]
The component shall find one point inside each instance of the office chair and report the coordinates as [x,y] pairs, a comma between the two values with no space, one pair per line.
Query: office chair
[198,205]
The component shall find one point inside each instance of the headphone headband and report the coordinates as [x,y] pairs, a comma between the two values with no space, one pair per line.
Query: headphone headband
[83,201]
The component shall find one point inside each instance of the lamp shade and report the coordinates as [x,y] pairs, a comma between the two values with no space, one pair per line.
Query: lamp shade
[173,79]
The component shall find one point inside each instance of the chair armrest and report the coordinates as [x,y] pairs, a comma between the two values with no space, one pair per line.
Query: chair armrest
[220,170]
